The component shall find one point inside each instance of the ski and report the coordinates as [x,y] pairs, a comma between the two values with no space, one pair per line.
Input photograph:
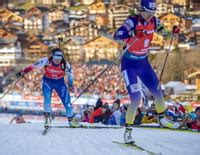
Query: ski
[46,130]
[48,120]
[86,127]
[135,146]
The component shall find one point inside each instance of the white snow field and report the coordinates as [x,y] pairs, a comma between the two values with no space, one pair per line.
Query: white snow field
[27,139]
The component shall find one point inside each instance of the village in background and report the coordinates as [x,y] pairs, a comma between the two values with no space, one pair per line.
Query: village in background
[83,30]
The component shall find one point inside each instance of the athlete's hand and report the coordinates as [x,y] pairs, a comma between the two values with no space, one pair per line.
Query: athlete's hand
[71,88]
[175,30]
[19,74]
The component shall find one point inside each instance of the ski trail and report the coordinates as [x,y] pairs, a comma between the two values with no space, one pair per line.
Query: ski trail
[27,139]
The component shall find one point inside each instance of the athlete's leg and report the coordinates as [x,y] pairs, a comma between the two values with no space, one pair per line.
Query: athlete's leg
[63,93]
[47,92]
[151,81]
[133,88]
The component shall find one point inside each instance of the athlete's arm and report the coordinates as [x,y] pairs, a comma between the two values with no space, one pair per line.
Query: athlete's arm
[69,73]
[161,29]
[39,64]
[126,30]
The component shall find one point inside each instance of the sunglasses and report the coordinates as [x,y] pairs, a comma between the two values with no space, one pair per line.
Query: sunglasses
[56,57]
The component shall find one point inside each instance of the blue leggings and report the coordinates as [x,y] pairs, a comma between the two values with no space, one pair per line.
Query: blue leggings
[48,85]
[132,70]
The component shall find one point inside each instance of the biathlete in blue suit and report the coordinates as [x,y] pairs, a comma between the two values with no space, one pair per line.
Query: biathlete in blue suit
[137,32]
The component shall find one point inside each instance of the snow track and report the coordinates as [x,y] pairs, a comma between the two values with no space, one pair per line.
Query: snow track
[27,139]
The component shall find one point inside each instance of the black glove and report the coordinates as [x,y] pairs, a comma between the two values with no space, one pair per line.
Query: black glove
[175,30]
[71,88]
[19,74]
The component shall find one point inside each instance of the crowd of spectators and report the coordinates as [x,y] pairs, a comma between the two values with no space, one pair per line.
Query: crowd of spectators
[109,85]
[115,115]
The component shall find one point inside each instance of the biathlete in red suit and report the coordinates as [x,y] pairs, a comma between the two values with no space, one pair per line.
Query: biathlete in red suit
[55,69]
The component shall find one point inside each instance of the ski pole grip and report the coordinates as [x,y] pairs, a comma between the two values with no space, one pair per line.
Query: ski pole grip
[19,74]
[175,30]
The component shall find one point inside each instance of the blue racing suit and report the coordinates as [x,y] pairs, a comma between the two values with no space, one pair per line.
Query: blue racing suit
[138,34]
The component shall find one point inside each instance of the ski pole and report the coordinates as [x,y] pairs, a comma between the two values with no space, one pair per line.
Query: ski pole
[165,61]
[10,89]
[108,67]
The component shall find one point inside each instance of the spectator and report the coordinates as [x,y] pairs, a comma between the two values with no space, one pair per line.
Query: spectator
[189,120]
[99,103]
[18,119]
[106,114]
[138,118]
[96,115]
[196,124]
[86,116]
[123,110]
[197,112]
[152,109]
[116,113]
[149,118]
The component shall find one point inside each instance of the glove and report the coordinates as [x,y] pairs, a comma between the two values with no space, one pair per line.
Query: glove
[175,30]
[71,88]
[160,28]
[19,74]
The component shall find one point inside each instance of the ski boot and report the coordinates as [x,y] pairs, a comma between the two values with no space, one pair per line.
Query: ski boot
[47,120]
[73,122]
[127,135]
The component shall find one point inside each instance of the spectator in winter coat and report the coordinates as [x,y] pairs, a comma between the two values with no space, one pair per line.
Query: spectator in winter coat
[196,124]
[123,110]
[197,112]
[100,115]
[96,116]
[149,118]
[116,113]
[191,119]
[106,114]
[99,103]
[86,117]
[138,118]
[18,119]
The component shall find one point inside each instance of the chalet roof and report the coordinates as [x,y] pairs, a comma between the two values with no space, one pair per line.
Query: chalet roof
[4,33]
[119,7]
[40,8]
[43,8]
[174,14]
[76,40]
[97,5]
[98,38]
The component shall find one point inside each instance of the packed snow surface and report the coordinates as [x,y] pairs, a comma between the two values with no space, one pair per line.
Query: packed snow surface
[27,139]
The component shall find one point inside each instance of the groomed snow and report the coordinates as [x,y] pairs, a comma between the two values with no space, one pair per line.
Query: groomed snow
[27,139]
